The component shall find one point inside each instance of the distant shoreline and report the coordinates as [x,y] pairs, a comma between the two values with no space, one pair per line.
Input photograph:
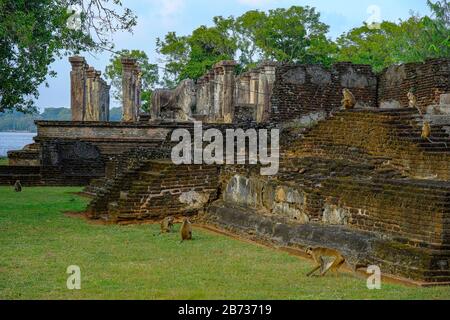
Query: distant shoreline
[11,131]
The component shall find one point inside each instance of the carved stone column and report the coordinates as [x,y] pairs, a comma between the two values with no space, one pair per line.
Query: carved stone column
[265,87]
[212,90]
[128,90]
[254,86]
[228,90]
[107,101]
[243,94]
[77,87]
[90,95]
[137,90]
[218,83]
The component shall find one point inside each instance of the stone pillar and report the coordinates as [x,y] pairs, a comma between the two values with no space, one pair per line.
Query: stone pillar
[98,92]
[104,100]
[265,86]
[77,87]
[137,89]
[201,96]
[224,91]
[254,86]
[211,94]
[90,95]
[107,101]
[228,90]
[218,81]
[128,87]
[243,94]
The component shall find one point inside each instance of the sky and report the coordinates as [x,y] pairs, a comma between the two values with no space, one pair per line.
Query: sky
[158,17]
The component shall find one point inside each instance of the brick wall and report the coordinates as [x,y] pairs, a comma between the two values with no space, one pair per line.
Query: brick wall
[301,90]
[427,80]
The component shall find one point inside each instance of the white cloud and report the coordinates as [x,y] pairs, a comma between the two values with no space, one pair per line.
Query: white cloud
[169,10]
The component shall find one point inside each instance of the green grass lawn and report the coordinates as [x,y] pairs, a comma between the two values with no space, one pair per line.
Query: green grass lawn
[3,161]
[38,242]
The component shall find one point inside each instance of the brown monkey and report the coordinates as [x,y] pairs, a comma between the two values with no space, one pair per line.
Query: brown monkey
[426,133]
[413,102]
[318,254]
[426,130]
[18,186]
[349,100]
[186,230]
[167,225]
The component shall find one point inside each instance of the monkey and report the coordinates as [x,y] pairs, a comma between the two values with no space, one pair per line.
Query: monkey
[426,130]
[413,102]
[318,254]
[426,133]
[349,100]
[167,225]
[18,186]
[186,230]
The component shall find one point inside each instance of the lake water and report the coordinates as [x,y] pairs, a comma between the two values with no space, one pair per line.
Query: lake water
[14,141]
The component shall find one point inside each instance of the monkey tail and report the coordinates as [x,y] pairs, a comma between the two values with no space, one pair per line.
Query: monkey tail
[437,142]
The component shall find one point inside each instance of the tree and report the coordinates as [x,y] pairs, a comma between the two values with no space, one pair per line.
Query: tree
[294,35]
[366,45]
[246,28]
[426,37]
[175,50]
[191,56]
[286,35]
[34,33]
[149,75]
[413,40]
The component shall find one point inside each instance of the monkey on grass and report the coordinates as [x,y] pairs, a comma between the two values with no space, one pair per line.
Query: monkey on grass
[318,254]
[18,186]
[186,230]
[167,225]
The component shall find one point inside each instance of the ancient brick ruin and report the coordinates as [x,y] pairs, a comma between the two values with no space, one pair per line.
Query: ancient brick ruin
[361,181]
[89,92]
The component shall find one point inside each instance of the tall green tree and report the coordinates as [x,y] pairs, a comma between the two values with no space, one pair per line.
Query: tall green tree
[294,35]
[34,33]
[287,35]
[191,56]
[150,75]
[413,40]
[367,45]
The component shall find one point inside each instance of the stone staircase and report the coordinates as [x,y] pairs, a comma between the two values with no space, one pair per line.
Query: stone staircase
[28,175]
[391,138]
[155,189]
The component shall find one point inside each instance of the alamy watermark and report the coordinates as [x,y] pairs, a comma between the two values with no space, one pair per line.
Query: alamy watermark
[192,150]
[74,279]
[374,20]
[74,21]
[374,281]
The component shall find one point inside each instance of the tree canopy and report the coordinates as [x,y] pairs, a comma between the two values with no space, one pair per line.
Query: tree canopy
[34,33]
[413,40]
[297,35]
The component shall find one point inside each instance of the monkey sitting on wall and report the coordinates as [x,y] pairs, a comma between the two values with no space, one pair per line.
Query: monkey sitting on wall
[412,102]
[186,230]
[349,101]
[167,225]
[319,255]
[18,186]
